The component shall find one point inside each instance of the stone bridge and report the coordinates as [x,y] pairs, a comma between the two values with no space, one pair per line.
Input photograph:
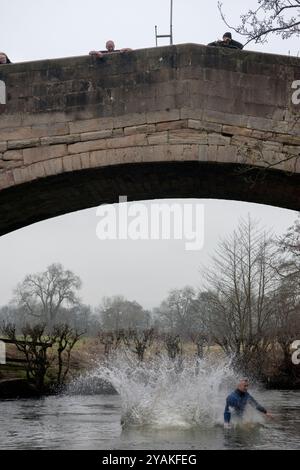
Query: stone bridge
[183,121]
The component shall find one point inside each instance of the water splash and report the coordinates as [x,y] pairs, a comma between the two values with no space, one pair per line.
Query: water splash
[164,393]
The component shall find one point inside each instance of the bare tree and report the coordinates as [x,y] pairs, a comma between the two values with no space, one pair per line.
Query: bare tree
[173,345]
[118,313]
[289,249]
[43,350]
[179,312]
[65,339]
[111,340]
[279,17]
[34,343]
[43,295]
[138,341]
[199,339]
[241,285]
[287,319]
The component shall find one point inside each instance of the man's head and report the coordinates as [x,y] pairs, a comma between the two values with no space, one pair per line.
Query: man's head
[3,58]
[243,384]
[227,37]
[110,46]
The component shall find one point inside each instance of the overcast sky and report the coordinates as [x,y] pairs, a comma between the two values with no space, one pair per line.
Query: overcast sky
[140,270]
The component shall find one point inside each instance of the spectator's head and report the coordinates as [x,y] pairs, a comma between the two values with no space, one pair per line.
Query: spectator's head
[227,37]
[110,46]
[243,385]
[4,59]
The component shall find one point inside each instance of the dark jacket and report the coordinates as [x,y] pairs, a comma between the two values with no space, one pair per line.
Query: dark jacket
[231,45]
[238,401]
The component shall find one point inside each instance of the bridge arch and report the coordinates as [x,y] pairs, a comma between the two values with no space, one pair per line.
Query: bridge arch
[181,121]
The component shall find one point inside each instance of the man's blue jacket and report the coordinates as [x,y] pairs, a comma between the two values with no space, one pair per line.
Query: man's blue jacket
[238,401]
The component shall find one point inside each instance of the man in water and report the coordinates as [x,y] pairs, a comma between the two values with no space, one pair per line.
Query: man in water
[110,48]
[227,41]
[238,401]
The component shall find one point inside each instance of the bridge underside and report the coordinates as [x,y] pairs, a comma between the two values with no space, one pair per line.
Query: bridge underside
[32,202]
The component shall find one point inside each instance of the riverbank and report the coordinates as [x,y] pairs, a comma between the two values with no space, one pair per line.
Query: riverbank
[22,389]
[86,356]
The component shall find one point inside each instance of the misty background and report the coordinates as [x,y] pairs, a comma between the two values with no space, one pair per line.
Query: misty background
[140,270]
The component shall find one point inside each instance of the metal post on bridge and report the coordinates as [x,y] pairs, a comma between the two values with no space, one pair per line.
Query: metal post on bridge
[158,36]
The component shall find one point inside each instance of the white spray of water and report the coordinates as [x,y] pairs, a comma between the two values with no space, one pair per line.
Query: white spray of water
[164,393]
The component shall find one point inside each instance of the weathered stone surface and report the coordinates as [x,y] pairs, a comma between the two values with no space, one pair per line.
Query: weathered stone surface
[72,163]
[118,132]
[234,130]
[205,126]
[3,146]
[90,125]
[96,135]
[85,160]
[22,144]
[21,175]
[10,164]
[128,120]
[23,133]
[39,154]
[217,139]
[63,139]
[13,155]
[187,136]
[6,179]
[143,129]
[226,118]
[158,138]
[170,115]
[165,126]
[128,141]
[37,170]
[53,167]
[82,147]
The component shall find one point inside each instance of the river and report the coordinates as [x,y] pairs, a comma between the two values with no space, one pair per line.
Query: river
[93,422]
[161,403]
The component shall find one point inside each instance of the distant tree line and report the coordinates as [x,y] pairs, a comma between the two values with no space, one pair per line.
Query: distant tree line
[247,305]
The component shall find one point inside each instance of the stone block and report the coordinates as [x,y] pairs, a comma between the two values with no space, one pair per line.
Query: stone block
[97,135]
[82,147]
[171,125]
[128,141]
[38,154]
[60,139]
[161,116]
[143,129]
[6,179]
[187,136]
[91,125]
[158,138]
[21,144]
[13,155]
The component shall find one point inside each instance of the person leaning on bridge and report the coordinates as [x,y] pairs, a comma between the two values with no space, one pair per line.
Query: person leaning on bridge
[110,48]
[227,41]
[4,59]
